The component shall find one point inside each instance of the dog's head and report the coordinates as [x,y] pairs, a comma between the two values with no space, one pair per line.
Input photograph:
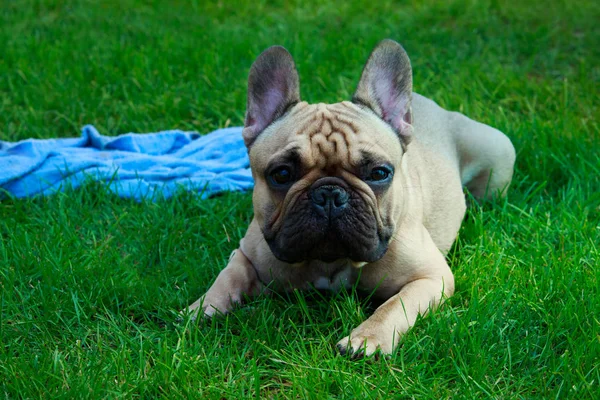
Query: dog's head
[326,175]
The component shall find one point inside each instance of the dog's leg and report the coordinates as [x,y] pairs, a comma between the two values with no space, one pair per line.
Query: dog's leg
[233,283]
[487,157]
[431,281]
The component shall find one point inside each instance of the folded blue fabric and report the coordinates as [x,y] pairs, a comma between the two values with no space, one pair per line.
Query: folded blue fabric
[133,165]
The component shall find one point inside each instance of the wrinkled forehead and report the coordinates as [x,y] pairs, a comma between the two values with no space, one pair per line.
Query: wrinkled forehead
[327,135]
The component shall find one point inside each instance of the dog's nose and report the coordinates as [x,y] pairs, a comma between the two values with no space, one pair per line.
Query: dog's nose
[329,200]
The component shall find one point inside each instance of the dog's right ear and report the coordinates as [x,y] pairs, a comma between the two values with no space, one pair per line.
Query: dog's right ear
[273,87]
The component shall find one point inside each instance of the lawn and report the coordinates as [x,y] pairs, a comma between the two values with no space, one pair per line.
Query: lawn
[90,282]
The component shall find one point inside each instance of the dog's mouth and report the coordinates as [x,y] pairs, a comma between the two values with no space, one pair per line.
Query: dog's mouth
[327,248]
[329,224]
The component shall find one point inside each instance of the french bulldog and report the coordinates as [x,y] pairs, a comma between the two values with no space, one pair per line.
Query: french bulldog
[366,193]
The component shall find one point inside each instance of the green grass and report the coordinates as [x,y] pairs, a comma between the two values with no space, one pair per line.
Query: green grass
[89,282]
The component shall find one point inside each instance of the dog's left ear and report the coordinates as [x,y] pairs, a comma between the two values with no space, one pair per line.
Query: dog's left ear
[386,86]
[273,87]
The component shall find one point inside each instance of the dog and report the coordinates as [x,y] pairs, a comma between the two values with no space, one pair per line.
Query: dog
[366,193]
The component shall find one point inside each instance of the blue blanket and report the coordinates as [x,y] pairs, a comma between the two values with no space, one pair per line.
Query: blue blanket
[133,165]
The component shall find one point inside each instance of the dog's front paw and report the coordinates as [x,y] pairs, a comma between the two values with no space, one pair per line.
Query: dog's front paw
[207,307]
[364,342]
[357,346]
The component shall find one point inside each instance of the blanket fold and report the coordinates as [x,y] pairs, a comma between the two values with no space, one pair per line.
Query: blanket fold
[133,165]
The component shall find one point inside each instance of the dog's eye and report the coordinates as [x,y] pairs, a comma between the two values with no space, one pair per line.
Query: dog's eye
[281,176]
[379,174]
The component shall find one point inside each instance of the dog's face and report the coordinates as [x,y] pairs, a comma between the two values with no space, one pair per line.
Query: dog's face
[324,177]
[326,181]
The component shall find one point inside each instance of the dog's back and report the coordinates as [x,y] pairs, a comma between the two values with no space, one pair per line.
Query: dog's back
[450,151]
[484,156]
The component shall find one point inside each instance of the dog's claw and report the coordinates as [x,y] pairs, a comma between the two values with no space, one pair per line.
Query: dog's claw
[342,350]
[359,347]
